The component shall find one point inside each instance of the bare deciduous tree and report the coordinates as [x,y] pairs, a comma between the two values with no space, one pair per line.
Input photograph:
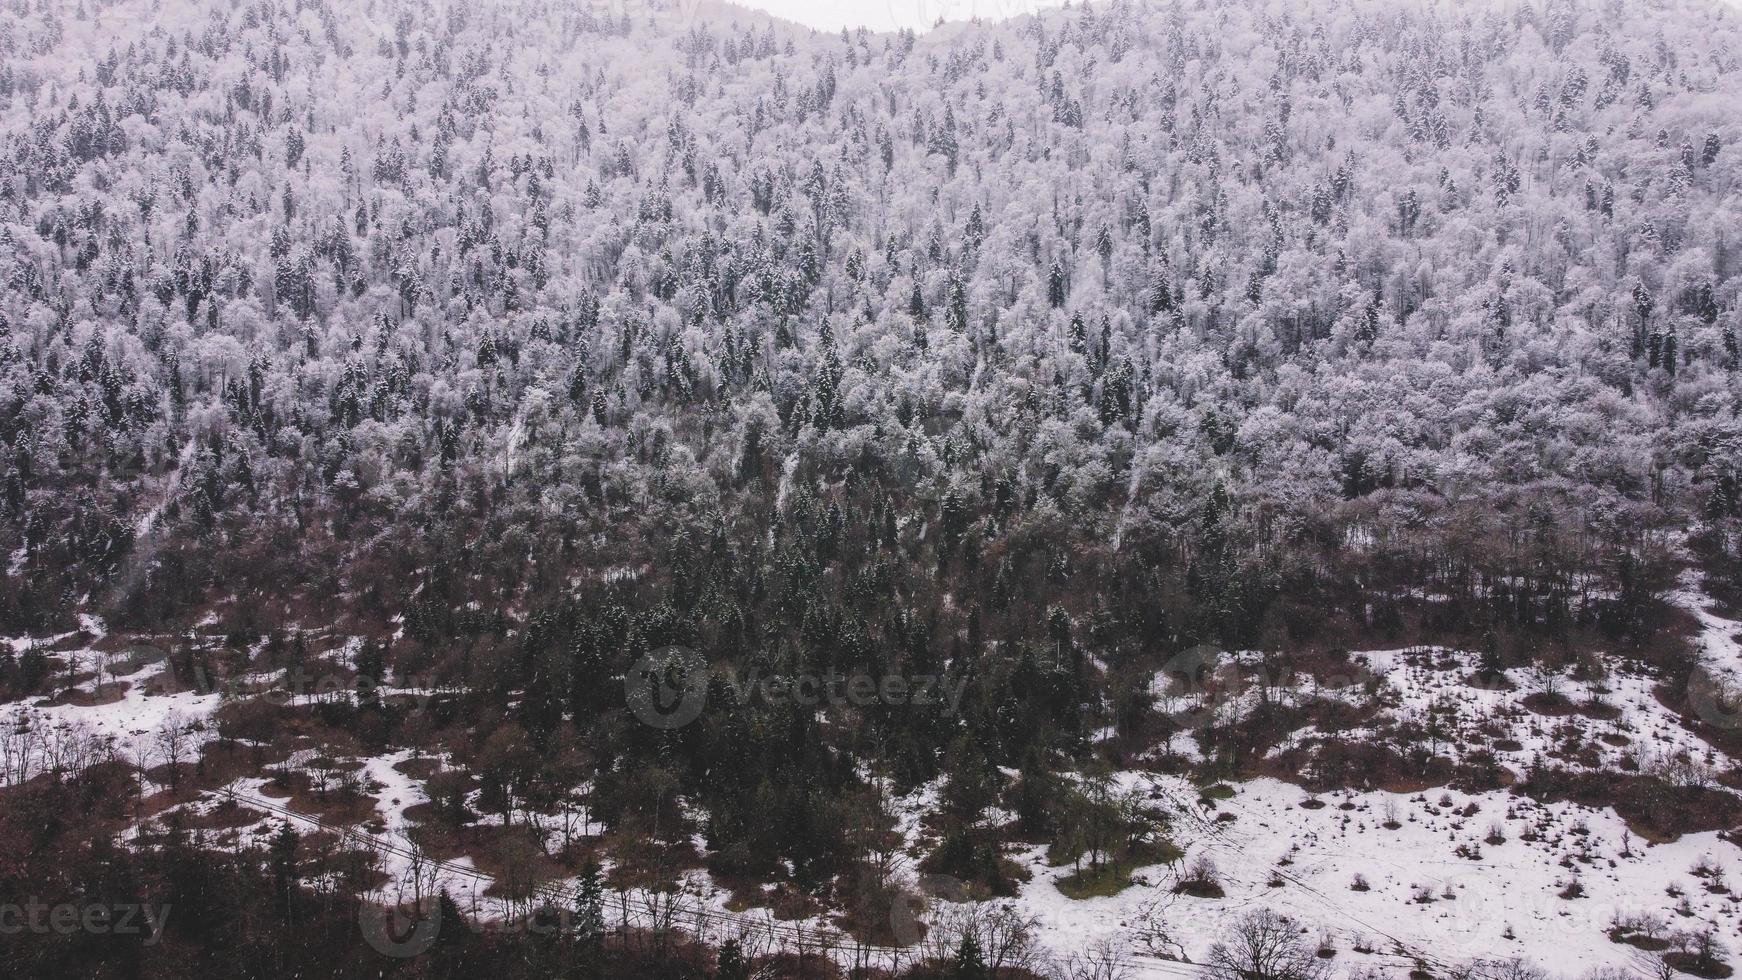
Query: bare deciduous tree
[1151,931]
[1264,945]
[1102,960]
[20,749]
[172,742]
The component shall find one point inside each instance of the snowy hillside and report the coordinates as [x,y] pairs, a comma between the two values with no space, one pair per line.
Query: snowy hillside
[1244,489]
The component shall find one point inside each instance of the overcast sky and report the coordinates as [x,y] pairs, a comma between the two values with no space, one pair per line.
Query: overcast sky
[888,15]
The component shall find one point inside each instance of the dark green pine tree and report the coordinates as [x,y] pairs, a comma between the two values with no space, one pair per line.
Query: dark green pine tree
[1160,291]
[590,916]
[281,851]
[1037,793]
[970,961]
[372,661]
[453,929]
[972,784]
[731,965]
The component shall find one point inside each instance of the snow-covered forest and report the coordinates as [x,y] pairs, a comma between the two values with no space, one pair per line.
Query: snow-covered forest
[473,296]
[480,347]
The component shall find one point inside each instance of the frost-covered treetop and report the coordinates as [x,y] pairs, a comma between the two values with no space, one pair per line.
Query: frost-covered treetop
[588,268]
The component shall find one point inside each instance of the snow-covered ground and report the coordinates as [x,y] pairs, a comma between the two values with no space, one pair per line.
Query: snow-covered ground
[1448,876]
[1436,889]
[1720,639]
[1503,902]
[129,725]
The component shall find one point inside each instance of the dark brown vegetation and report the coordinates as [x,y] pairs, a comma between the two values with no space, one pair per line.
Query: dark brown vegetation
[1653,808]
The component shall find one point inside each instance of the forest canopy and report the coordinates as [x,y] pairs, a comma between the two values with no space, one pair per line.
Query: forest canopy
[471,351]
[1165,323]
